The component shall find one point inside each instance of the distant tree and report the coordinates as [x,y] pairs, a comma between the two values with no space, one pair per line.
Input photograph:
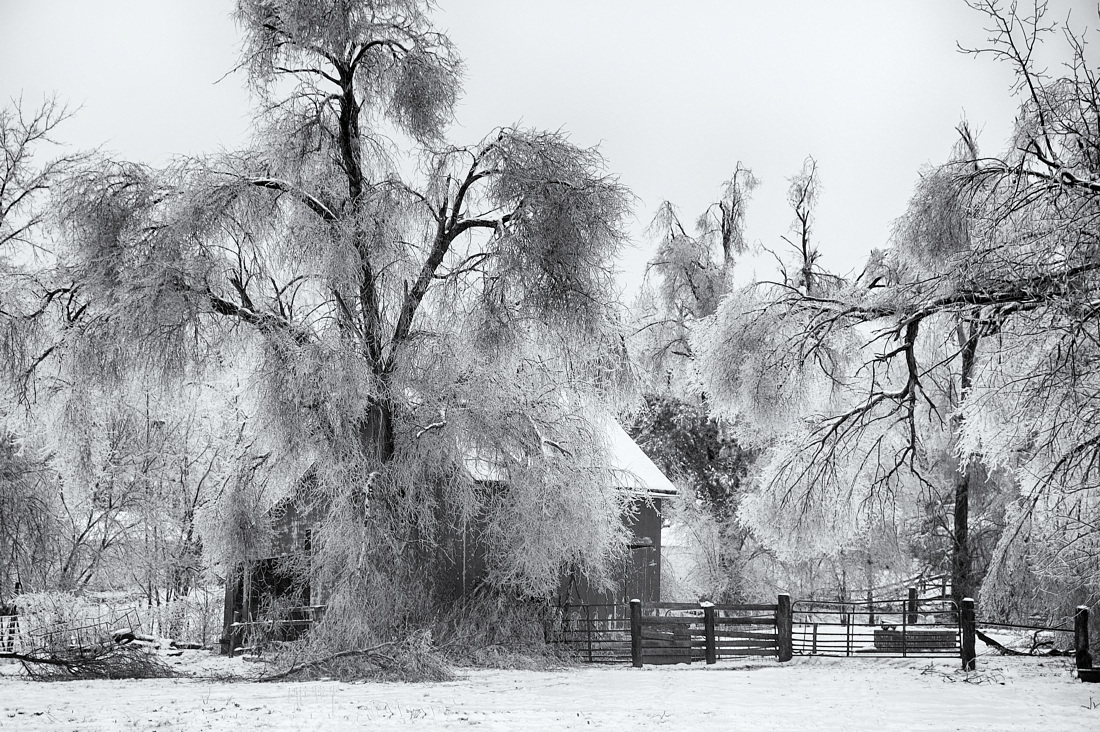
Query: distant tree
[802,196]
[28,172]
[687,278]
[28,525]
[403,306]
[690,447]
[26,135]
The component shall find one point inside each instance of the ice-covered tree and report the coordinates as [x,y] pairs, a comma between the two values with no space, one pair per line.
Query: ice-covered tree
[31,164]
[686,279]
[970,338]
[400,306]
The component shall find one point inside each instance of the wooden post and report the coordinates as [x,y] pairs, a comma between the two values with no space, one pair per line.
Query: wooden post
[847,635]
[588,629]
[636,633]
[870,592]
[784,628]
[814,651]
[708,629]
[234,633]
[968,625]
[233,585]
[912,606]
[905,628]
[1081,637]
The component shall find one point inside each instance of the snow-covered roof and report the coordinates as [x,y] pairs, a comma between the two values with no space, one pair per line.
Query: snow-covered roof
[632,467]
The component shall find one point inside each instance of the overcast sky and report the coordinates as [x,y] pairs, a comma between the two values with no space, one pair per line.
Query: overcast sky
[675,93]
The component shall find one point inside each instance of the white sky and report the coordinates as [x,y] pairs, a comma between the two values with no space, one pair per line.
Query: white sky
[675,93]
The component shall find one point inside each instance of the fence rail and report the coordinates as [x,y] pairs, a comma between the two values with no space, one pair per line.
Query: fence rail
[593,633]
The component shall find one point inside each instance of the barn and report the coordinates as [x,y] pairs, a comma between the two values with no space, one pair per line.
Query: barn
[637,475]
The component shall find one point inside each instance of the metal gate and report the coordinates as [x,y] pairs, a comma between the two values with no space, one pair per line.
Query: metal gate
[883,628]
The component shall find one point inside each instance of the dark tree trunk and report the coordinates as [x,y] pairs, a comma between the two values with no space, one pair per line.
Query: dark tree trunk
[961,574]
[962,579]
[376,432]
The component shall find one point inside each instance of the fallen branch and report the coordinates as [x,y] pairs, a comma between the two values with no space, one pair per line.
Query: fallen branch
[101,662]
[372,652]
[1006,651]
[46,660]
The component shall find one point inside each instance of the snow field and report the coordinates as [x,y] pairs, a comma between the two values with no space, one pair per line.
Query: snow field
[805,694]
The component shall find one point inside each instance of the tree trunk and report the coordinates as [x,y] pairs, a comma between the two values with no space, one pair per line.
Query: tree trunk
[376,432]
[962,580]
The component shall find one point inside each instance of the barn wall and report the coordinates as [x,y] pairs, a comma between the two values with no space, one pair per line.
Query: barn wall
[641,573]
[459,563]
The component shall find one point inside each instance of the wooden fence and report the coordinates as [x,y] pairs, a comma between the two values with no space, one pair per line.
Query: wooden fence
[662,633]
[668,632]
[684,632]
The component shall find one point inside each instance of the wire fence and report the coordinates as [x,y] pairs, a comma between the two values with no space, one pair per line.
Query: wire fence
[27,634]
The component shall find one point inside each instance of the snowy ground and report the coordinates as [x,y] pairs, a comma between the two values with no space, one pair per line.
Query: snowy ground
[805,694]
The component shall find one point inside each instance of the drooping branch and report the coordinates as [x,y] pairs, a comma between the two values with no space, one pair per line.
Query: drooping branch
[314,204]
[264,322]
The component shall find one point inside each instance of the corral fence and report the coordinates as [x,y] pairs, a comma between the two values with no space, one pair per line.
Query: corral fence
[665,632]
[597,633]
[655,633]
[885,628]
[1046,634]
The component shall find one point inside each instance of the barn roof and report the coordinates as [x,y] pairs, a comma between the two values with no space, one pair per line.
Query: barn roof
[635,469]
[632,467]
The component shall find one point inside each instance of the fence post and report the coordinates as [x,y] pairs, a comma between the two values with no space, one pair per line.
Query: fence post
[968,624]
[708,629]
[636,633]
[234,634]
[1081,637]
[588,632]
[784,628]
[905,631]
[847,634]
[912,606]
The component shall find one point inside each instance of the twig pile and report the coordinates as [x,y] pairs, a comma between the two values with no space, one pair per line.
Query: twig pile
[98,662]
